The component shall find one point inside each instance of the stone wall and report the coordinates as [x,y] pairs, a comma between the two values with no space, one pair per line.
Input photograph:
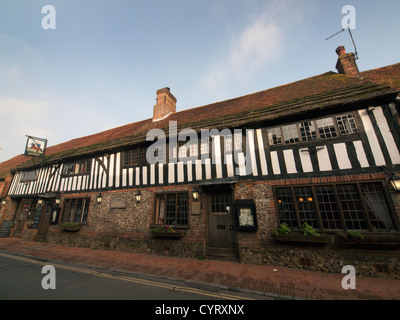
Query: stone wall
[146,245]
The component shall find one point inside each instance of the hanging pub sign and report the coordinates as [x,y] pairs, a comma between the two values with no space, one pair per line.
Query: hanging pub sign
[35,146]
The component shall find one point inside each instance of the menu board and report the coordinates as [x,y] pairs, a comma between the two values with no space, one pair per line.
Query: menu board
[245,215]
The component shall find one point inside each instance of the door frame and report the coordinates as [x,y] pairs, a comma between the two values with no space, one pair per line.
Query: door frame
[206,195]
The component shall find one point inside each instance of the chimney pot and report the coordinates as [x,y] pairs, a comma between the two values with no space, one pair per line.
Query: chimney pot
[340,51]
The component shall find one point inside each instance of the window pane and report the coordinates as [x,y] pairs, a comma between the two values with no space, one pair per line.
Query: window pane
[305,205]
[286,210]
[307,131]
[160,209]
[85,210]
[352,207]
[171,209]
[127,157]
[328,207]
[182,218]
[204,146]
[141,155]
[228,143]
[290,133]
[72,211]
[378,211]
[28,176]
[346,124]
[183,150]
[219,202]
[274,136]
[326,128]
[78,210]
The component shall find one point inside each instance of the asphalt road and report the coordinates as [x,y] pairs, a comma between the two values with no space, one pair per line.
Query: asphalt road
[21,278]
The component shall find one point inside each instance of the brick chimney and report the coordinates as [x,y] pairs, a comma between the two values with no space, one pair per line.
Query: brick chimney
[166,104]
[346,63]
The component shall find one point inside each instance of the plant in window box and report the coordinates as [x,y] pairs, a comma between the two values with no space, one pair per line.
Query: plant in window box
[166,232]
[70,226]
[308,235]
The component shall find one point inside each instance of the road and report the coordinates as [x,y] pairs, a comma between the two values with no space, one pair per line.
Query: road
[22,278]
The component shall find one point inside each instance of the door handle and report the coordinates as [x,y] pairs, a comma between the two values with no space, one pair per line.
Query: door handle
[232,227]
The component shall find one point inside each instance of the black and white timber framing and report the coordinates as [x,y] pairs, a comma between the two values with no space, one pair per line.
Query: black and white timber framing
[375,145]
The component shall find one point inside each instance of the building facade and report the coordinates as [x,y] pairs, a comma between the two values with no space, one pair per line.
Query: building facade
[224,177]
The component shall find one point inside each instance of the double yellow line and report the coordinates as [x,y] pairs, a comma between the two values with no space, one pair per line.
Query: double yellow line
[131,279]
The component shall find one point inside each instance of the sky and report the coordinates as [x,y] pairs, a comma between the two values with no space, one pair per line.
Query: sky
[101,63]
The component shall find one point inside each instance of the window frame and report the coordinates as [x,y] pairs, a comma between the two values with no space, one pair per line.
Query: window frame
[302,136]
[66,212]
[26,176]
[365,211]
[140,157]
[77,168]
[156,221]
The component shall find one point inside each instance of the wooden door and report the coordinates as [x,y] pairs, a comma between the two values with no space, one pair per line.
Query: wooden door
[23,211]
[221,240]
[44,220]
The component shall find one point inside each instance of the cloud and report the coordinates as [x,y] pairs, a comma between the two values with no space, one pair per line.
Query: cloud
[250,51]
[20,118]
[255,46]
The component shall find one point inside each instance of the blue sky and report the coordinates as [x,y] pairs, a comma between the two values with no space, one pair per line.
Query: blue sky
[100,68]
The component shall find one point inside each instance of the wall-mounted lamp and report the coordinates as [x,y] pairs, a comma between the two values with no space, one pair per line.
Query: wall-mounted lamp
[3,201]
[138,197]
[99,198]
[58,200]
[195,194]
[395,182]
[40,202]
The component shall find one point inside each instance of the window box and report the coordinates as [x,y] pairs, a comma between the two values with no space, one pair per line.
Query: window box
[166,234]
[70,226]
[373,241]
[301,238]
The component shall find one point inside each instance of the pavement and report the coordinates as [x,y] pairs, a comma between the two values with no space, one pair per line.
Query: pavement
[263,280]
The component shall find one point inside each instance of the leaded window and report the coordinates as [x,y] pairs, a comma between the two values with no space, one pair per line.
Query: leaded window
[352,206]
[172,209]
[76,210]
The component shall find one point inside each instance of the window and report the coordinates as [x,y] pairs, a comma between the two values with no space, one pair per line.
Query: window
[328,207]
[378,211]
[274,136]
[358,206]
[307,131]
[74,168]
[326,128]
[28,176]
[187,149]
[290,134]
[285,203]
[346,124]
[310,130]
[134,157]
[352,207]
[172,209]
[305,206]
[220,202]
[76,210]
[204,145]
[228,143]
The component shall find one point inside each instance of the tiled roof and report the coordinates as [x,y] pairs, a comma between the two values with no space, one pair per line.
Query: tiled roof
[389,76]
[316,93]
